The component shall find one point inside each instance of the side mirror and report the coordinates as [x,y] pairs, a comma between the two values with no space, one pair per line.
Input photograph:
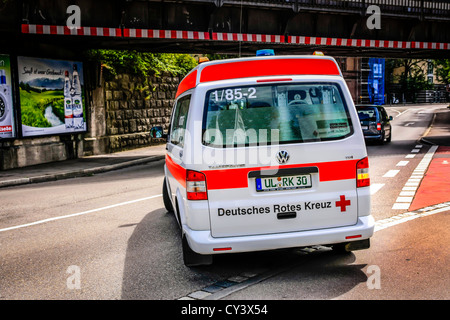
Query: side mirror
[158,133]
[390,118]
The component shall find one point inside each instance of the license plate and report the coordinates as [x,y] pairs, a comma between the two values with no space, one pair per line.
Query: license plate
[283,183]
[365,127]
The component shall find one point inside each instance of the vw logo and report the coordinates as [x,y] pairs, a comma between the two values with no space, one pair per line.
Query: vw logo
[282,156]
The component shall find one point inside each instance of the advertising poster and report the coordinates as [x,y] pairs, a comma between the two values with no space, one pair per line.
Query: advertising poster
[7,129]
[376,81]
[51,96]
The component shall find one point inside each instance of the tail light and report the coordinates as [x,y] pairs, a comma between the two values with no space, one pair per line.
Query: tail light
[379,126]
[362,173]
[196,185]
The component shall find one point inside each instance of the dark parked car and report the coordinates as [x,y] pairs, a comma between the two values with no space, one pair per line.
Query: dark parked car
[375,123]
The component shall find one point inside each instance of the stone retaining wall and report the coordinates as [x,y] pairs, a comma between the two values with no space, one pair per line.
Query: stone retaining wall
[125,109]
[133,107]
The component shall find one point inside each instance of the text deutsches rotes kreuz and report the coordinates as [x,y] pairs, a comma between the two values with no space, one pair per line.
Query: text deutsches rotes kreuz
[278,208]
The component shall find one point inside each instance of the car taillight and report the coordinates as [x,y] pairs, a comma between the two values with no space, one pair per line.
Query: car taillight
[196,185]
[379,126]
[362,173]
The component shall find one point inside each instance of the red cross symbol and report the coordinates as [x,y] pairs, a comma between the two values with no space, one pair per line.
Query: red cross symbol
[343,203]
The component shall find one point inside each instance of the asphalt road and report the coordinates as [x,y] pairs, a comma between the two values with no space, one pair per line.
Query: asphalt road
[108,237]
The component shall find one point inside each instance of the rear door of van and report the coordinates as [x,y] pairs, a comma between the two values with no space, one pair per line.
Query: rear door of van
[369,118]
[282,155]
[175,146]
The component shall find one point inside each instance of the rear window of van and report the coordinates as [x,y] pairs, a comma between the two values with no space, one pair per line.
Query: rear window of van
[275,114]
[367,113]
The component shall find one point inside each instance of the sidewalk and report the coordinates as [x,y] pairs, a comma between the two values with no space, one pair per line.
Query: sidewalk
[80,167]
[439,133]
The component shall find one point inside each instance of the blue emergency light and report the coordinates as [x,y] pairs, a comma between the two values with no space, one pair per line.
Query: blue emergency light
[265,52]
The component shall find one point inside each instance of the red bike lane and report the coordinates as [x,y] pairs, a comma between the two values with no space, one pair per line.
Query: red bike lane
[435,186]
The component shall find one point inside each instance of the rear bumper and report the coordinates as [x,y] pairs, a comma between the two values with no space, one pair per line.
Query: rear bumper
[202,242]
[373,136]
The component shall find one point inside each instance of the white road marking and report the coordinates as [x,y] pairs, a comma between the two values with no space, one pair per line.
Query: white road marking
[409,188]
[78,214]
[375,187]
[400,113]
[405,199]
[391,173]
[400,206]
[407,216]
[402,163]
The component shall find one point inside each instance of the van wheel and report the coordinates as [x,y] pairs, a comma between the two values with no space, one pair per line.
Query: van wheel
[192,258]
[389,138]
[166,199]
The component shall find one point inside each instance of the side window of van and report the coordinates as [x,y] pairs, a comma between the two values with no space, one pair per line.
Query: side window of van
[179,121]
[384,114]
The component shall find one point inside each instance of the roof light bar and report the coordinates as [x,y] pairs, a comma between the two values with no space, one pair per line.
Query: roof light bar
[265,52]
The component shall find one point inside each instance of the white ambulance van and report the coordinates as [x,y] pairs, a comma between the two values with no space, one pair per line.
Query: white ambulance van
[265,153]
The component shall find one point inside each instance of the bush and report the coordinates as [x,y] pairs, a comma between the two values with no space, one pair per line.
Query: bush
[142,64]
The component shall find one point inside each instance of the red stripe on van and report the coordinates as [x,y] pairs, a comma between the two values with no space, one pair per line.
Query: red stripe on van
[238,178]
[177,171]
[189,82]
[273,67]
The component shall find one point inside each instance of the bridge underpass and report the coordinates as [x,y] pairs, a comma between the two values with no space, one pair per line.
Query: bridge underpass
[408,28]
[38,28]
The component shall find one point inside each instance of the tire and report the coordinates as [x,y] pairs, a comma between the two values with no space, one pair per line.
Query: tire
[390,137]
[192,258]
[166,198]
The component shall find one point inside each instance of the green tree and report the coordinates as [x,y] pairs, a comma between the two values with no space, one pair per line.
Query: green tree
[412,77]
[142,64]
[443,70]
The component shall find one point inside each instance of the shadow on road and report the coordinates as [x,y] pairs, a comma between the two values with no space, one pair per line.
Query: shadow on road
[154,269]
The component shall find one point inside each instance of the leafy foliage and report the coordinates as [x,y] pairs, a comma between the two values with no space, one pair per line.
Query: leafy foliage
[412,77]
[143,64]
[443,70]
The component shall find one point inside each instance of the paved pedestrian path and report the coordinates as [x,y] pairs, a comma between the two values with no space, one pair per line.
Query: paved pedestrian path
[80,167]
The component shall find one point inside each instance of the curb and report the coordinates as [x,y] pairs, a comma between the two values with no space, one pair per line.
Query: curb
[427,139]
[427,132]
[427,142]
[411,215]
[78,173]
